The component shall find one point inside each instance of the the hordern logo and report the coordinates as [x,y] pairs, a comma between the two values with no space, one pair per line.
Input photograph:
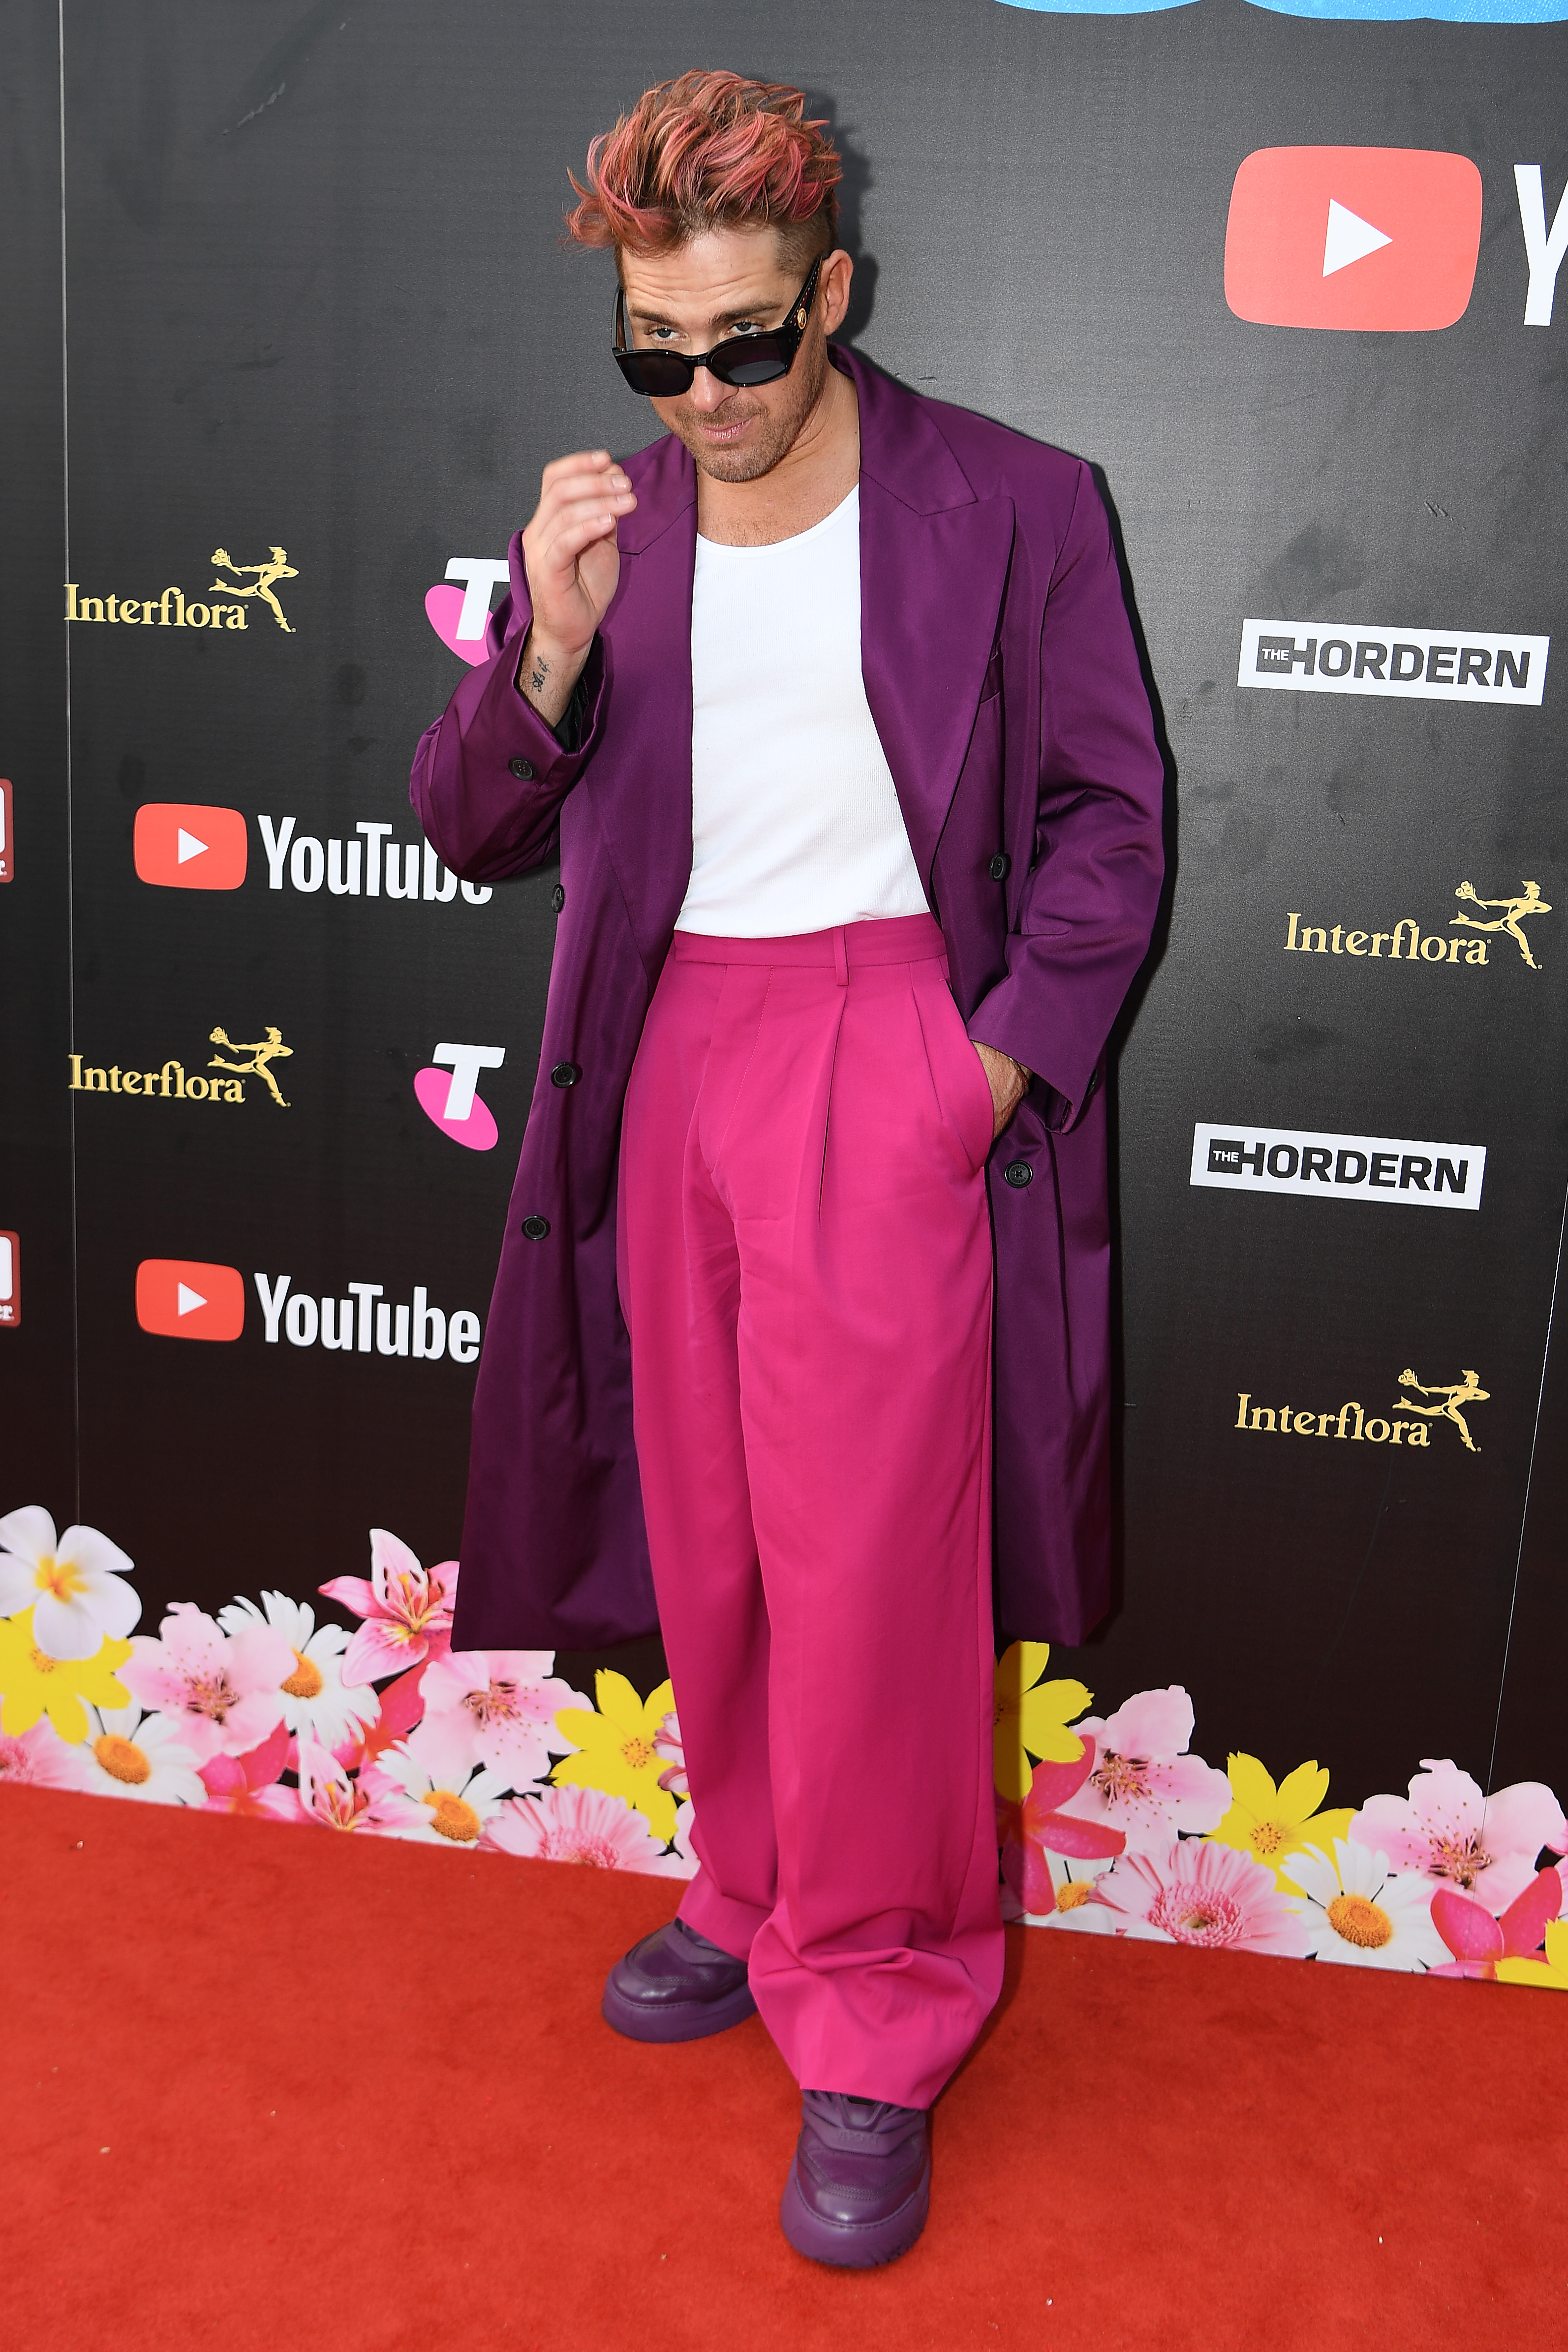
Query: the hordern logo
[1446,1402]
[1308,1166]
[223,605]
[239,1061]
[1405,942]
[1473,666]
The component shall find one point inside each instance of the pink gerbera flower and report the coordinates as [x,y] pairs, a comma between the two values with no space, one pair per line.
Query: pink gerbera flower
[407,1609]
[1143,1783]
[495,1708]
[40,1758]
[224,1691]
[582,1825]
[1447,1830]
[1213,1896]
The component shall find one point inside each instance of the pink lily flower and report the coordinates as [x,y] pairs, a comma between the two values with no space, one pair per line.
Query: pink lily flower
[406,1609]
[330,1797]
[250,1785]
[1478,1942]
[1143,1783]
[1035,1828]
[1448,1829]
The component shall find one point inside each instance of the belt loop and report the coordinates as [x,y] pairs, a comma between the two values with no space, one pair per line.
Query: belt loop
[840,959]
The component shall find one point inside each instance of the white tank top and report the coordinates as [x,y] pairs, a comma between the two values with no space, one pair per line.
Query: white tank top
[795,824]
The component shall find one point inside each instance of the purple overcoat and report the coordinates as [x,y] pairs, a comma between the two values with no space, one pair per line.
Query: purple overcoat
[1000,670]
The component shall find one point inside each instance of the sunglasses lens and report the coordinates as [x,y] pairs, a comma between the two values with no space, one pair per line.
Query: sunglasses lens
[658,374]
[753,359]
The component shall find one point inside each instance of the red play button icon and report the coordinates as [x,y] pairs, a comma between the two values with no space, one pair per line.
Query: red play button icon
[1383,237]
[184,1298]
[186,845]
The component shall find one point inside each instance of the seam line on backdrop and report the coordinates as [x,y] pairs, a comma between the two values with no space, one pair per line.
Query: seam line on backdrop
[71,813]
[1525,1514]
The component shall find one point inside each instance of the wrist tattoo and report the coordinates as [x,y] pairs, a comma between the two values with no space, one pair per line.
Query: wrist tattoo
[539,670]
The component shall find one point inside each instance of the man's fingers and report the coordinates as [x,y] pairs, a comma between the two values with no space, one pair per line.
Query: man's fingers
[568,543]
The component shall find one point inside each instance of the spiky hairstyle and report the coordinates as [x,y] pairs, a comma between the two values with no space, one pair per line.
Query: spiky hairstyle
[709,150]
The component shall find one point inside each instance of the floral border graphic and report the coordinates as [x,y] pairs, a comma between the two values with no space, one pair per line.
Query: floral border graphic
[1107,1825]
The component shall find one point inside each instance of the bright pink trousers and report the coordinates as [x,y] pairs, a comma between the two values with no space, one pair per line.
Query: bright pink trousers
[806,1271]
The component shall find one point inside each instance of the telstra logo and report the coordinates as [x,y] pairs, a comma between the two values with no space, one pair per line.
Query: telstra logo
[453,1104]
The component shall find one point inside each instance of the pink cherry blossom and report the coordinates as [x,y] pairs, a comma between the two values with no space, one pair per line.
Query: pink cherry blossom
[1036,1827]
[407,1609]
[1212,1896]
[496,1707]
[667,1742]
[250,1784]
[40,1758]
[224,1690]
[1447,1829]
[1143,1783]
[1478,1941]
[582,1825]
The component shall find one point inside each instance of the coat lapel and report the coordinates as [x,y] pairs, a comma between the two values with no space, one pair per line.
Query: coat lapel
[642,794]
[934,568]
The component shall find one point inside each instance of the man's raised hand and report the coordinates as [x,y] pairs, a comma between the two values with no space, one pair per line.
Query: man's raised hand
[573,564]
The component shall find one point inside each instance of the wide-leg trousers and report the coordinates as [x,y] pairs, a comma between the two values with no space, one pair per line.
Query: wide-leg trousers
[805,1269]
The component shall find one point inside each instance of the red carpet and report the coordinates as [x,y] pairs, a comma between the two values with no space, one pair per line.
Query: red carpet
[357,2095]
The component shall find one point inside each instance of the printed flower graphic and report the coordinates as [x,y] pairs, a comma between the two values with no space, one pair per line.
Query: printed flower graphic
[1035,1830]
[498,1708]
[416,1800]
[1446,1829]
[407,1609]
[1031,1717]
[129,1754]
[618,1750]
[76,1587]
[252,1784]
[1143,1783]
[225,1690]
[36,1684]
[1550,1974]
[1211,1897]
[670,1747]
[1478,1942]
[330,1797]
[40,1758]
[1356,1912]
[1270,1823]
[584,1825]
[317,1702]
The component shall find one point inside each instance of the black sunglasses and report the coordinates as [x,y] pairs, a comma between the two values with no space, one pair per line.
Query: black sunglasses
[744,359]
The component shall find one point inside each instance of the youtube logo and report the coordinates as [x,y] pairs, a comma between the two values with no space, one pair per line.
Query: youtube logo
[1369,239]
[185,845]
[183,1298]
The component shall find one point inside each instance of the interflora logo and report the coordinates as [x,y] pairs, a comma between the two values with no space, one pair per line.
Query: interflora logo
[1407,943]
[170,1083]
[367,1319]
[1304,1165]
[448,1094]
[1474,665]
[1430,1404]
[224,604]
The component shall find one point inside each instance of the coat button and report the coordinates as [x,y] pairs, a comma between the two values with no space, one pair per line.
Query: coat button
[1093,1082]
[1001,866]
[564,1074]
[522,770]
[1017,1172]
[558,897]
[536,1227]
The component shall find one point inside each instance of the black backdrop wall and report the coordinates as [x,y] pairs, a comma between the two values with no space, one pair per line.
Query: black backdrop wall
[316,315]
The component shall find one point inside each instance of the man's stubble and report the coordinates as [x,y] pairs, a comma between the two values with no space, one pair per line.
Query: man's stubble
[807,380]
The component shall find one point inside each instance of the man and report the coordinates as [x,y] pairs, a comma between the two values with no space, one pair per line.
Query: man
[830,706]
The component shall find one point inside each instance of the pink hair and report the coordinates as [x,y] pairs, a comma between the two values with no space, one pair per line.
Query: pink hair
[704,152]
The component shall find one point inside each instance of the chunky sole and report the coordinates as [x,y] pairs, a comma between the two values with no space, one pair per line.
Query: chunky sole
[687,2020]
[853,2245]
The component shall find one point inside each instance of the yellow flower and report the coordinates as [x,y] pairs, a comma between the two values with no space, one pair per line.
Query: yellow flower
[615,1748]
[36,1684]
[1033,1716]
[1270,1823]
[1552,1973]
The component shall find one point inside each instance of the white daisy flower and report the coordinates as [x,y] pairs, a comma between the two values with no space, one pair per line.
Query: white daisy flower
[1360,1912]
[418,1800]
[317,1702]
[74,1586]
[129,1754]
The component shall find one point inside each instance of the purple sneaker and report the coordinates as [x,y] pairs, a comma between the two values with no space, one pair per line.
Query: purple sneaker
[675,1986]
[860,2188]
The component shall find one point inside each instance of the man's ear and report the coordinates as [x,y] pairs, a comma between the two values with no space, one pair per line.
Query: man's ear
[837,272]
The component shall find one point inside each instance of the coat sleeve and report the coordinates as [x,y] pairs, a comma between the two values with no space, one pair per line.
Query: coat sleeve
[1089,906]
[483,818]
